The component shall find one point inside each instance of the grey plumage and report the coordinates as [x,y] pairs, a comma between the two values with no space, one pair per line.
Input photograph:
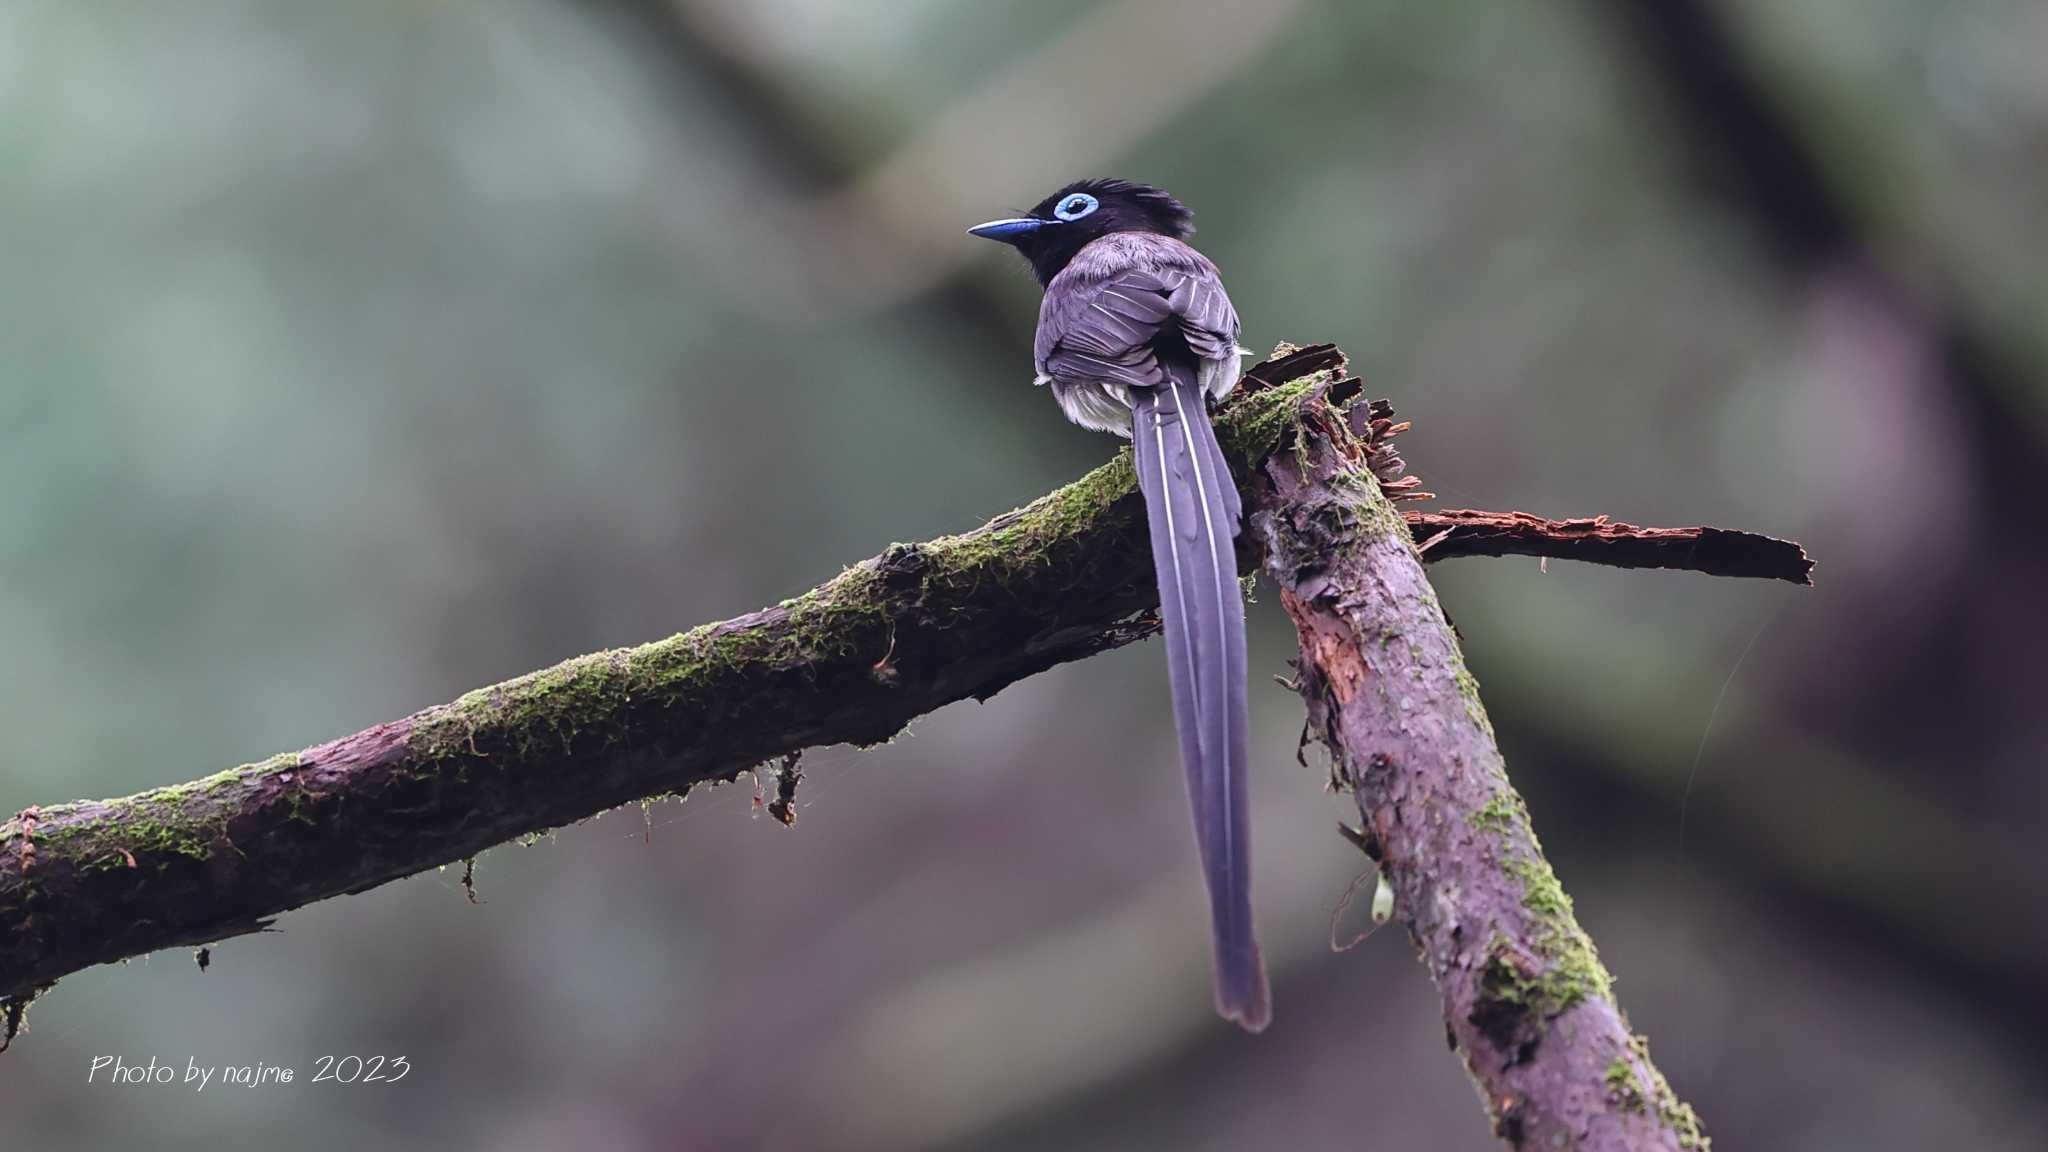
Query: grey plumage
[1135,336]
[1100,322]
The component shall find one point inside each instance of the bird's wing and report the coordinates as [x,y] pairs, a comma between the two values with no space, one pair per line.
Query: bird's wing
[1107,331]
[1151,335]
[1207,321]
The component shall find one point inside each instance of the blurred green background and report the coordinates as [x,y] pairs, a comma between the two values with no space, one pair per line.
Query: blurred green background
[355,355]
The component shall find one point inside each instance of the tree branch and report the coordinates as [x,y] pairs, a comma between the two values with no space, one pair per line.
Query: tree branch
[1525,997]
[851,661]
[903,633]
[1598,540]
[1595,539]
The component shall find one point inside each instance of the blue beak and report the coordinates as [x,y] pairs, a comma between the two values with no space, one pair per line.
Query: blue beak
[1008,230]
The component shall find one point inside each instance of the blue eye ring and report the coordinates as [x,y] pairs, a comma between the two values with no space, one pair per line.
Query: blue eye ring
[1076,206]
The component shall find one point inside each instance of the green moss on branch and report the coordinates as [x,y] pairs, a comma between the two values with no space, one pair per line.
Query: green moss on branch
[1525,996]
[852,661]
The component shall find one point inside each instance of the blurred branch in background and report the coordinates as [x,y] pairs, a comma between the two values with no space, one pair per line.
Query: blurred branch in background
[1898,339]
[1813,123]
[862,241]
[365,354]
[854,661]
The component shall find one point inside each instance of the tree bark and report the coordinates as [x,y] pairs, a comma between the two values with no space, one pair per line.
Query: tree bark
[913,629]
[1598,540]
[1525,997]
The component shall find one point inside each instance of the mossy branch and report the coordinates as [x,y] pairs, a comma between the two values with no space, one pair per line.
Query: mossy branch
[1525,997]
[852,661]
[901,634]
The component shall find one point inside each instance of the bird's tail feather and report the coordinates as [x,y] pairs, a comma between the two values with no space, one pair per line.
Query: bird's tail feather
[1193,510]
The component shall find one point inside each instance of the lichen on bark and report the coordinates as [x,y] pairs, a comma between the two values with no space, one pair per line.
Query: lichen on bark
[1527,1001]
[852,661]
[918,626]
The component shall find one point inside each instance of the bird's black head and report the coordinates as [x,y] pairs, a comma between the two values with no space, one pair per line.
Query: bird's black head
[1051,233]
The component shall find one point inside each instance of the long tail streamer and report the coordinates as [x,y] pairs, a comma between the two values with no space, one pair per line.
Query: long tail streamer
[1194,513]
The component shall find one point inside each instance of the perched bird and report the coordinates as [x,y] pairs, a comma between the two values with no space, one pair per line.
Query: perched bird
[1136,337]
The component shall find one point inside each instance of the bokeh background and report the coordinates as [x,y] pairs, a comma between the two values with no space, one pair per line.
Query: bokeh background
[355,355]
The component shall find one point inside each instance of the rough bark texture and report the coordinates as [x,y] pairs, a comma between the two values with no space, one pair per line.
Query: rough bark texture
[898,635]
[1525,997]
[852,661]
[1714,551]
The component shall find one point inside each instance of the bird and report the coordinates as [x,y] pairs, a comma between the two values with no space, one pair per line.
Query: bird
[1137,337]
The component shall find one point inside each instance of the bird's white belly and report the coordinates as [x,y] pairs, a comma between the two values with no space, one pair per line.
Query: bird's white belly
[1105,407]
[1096,405]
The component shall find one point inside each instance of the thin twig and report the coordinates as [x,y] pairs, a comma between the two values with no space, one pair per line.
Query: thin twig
[1598,540]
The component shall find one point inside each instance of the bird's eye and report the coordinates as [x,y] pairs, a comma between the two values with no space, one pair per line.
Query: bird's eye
[1076,206]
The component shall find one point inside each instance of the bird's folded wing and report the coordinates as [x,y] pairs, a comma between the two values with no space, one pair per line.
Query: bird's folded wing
[1108,332]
